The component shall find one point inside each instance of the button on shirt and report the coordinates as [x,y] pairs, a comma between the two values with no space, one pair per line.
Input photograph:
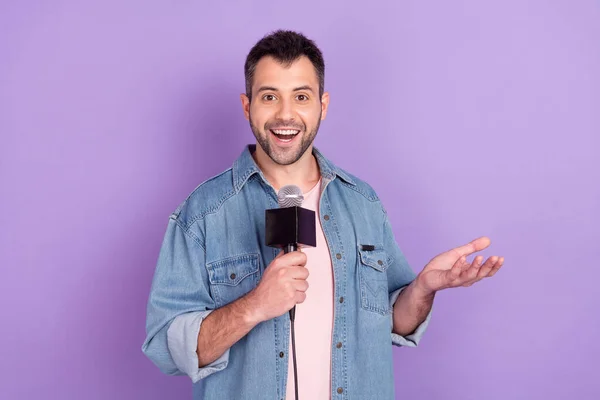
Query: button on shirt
[214,252]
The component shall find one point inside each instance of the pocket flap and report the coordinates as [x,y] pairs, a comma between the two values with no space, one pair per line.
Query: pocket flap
[376,258]
[232,270]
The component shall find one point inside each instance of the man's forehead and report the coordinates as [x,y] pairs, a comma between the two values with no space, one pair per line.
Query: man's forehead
[270,71]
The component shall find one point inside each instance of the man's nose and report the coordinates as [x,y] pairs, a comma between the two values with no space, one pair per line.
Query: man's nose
[285,110]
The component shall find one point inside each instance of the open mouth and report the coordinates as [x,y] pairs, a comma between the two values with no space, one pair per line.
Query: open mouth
[285,135]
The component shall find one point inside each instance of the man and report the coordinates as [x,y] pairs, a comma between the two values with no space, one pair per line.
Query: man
[218,307]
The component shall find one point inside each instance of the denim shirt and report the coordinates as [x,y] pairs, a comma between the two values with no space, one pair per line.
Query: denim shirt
[214,252]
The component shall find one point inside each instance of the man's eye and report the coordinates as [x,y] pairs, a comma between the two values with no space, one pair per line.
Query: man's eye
[268,97]
[302,97]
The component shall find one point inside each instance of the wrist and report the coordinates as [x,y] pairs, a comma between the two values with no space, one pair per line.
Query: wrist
[421,290]
[251,313]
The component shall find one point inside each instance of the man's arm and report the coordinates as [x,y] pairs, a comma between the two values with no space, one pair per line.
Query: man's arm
[411,308]
[282,286]
[223,328]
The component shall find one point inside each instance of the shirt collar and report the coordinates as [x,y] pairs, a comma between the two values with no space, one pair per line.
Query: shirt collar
[245,166]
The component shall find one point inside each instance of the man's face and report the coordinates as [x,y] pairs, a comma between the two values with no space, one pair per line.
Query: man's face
[285,111]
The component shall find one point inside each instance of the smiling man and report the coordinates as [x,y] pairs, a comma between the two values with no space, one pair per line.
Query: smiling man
[219,302]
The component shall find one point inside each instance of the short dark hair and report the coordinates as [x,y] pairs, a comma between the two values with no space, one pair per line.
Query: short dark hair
[285,47]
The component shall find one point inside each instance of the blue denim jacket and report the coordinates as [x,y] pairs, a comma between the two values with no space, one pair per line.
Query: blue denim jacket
[214,252]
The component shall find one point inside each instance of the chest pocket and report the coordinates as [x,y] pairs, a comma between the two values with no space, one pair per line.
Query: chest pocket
[373,279]
[233,277]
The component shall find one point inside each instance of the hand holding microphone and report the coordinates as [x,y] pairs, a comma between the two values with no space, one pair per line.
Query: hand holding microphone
[282,286]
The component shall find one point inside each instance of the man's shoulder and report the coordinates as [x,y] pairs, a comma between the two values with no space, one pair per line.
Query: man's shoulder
[206,198]
[359,185]
[346,179]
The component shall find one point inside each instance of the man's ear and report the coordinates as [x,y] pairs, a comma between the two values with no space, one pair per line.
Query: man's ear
[324,105]
[245,105]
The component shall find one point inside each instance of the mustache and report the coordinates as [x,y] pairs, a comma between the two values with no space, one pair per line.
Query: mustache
[289,124]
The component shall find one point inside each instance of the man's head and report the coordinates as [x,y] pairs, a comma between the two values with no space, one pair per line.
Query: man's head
[285,99]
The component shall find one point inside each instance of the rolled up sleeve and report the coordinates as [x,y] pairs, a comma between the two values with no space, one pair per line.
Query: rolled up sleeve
[413,339]
[182,340]
[179,301]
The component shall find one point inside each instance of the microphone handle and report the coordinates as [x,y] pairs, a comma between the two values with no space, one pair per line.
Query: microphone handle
[289,248]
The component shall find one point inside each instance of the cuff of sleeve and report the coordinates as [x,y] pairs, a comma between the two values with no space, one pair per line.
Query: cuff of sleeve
[414,338]
[182,340]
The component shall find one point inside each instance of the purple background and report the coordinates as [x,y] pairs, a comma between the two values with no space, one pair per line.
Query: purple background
[469,118]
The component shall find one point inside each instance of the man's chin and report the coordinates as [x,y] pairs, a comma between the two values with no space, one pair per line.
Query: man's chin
[284,158]
[284,154]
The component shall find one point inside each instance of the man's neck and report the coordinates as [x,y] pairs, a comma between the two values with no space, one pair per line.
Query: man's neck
[304,173]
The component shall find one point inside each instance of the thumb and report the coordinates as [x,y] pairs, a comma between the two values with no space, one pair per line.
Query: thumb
[473,246]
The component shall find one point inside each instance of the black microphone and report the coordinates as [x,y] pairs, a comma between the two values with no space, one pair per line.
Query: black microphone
[290,226]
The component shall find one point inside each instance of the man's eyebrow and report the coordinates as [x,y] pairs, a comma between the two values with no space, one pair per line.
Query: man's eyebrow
[265,88]
[305,87]
[273,89]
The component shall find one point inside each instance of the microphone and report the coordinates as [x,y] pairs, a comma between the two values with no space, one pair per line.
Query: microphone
[290,196]
[290,226]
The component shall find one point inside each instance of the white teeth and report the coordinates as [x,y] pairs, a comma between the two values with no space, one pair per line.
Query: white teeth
[285,131]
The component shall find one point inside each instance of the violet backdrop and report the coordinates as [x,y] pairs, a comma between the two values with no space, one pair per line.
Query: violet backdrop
[468,117]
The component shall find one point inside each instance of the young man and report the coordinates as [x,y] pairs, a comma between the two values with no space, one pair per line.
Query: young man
[218,307]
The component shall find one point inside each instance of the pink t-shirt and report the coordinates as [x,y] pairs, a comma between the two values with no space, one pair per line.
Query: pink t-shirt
[314,318]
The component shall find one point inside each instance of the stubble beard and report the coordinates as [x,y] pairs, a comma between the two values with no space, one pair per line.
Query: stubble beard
[262,137]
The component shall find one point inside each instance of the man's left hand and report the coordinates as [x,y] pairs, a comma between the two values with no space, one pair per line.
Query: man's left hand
[451,269]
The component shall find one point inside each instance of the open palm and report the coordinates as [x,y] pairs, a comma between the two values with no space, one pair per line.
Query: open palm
[451,269]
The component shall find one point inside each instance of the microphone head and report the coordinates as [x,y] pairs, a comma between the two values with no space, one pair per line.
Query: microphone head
[290,196]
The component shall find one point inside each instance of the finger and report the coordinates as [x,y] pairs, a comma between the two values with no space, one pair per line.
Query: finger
[465,273]
[454,273]
[496,267]
[300,273]
[464,266]
[471,273]
[474,246]
[293,258]
[300,297]
[301,285]
[486,269]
